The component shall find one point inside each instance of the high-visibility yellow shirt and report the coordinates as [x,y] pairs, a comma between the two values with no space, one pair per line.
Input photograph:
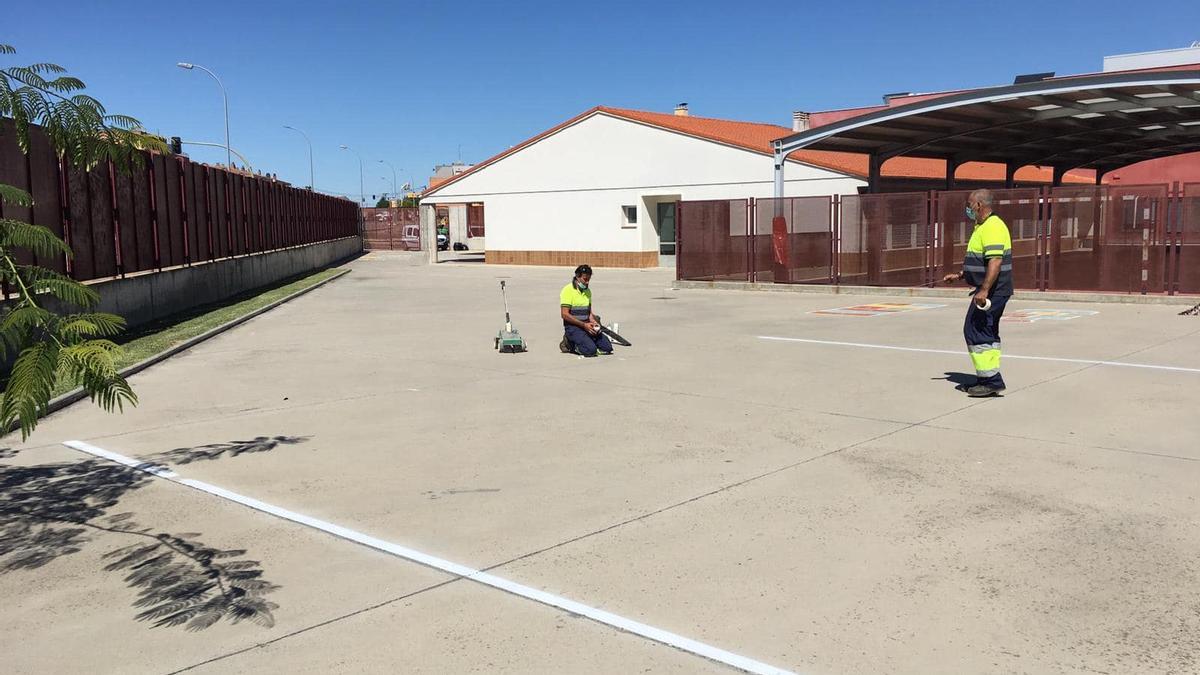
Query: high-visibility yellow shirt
[579,301]
[989,240]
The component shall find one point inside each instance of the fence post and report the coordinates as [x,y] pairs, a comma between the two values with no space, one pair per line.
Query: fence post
[187,212]
[65,205]
[1173,238]
[261,198]
[751,234]
[246,247]
[678,241]
[931,223]
[1101,213]
[1041,237]
[835,224]
[208,212]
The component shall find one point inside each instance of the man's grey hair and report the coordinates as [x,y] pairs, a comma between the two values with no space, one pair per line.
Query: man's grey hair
[983,196]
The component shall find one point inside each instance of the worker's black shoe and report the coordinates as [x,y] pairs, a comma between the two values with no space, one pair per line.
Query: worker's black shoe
[984,390]
[565,346]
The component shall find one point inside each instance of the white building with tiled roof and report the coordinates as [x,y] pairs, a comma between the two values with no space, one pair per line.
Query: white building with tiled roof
[601,188]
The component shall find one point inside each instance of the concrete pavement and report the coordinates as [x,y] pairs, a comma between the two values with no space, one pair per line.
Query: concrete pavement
[818,507]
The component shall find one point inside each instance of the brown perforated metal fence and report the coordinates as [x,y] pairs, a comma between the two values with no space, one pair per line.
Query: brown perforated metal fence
[794,240]
[392,229]
[1185,242]
[1125,239]
[1021,211]
[716,246]
[164,213]
[886,239]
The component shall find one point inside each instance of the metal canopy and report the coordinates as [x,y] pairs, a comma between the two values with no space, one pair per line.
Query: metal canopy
[1100,122]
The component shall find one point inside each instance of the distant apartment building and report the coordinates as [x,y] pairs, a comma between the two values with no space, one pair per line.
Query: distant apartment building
[444,172]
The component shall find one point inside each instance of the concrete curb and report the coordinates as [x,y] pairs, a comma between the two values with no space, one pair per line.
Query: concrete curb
[77,395]
[1051,296]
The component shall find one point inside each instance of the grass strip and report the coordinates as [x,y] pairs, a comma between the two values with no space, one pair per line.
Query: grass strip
[156,337]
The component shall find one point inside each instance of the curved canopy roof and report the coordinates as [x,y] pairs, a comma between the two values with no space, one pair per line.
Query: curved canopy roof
[1100,122]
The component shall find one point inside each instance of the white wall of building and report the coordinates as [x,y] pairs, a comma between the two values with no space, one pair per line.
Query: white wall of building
[1156,59]
[565,192]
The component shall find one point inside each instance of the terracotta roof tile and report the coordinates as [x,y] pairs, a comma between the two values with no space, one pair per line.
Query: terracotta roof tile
[757,137]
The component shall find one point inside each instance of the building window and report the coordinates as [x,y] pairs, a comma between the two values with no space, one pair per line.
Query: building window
[630,214]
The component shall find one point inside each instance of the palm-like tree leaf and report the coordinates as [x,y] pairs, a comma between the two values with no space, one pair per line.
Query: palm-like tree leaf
[87,104]
[29,386]
[42,280]
[122,121]
[50,346]
[15,195]
[27,75]
[66,84]
[36,238]
[19,321]
[53,68]
[81,326]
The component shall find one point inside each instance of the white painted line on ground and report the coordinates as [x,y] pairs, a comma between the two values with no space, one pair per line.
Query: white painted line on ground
[148,467]
[1121,364]
[608,618]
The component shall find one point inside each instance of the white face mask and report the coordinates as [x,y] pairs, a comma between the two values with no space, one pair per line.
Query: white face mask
[579,284]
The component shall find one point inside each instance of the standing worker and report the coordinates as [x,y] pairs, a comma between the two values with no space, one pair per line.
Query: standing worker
[988,267]
[582,329]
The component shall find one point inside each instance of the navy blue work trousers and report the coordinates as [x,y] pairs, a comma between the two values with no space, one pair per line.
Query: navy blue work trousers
[585,343]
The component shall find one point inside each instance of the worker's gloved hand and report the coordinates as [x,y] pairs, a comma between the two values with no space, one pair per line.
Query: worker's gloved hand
[593,328]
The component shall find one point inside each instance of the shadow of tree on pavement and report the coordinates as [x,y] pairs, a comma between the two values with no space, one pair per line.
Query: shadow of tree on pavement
[52,510]
[231,449]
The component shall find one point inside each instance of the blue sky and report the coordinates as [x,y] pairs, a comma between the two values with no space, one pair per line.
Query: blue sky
[412,83]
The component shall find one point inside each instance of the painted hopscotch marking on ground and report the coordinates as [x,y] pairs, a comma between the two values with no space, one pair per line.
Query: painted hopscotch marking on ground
[1090,362]
[607,618]
[1033,315]
[877,309]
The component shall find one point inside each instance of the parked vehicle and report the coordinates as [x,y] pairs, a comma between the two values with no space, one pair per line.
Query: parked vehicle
[411,237]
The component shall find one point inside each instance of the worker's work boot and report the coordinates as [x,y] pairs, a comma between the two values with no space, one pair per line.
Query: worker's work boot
[984,390]
[565,346]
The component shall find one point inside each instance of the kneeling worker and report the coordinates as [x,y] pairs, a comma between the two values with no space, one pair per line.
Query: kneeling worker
[583,334]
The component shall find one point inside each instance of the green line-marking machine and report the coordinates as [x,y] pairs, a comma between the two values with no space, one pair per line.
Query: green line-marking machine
[509,339]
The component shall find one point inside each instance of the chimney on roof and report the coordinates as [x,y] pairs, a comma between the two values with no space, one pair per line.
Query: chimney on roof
[681,110]
[799,121]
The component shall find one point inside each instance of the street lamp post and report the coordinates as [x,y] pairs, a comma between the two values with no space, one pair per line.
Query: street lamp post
[225,97]
[240,156]
[312,183]
[362,191]
[393,175]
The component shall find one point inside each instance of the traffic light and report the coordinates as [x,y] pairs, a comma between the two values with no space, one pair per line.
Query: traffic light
[176,145]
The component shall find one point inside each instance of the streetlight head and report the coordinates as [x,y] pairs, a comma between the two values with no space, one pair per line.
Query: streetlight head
[344,147]
[185,66]
[288,126]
